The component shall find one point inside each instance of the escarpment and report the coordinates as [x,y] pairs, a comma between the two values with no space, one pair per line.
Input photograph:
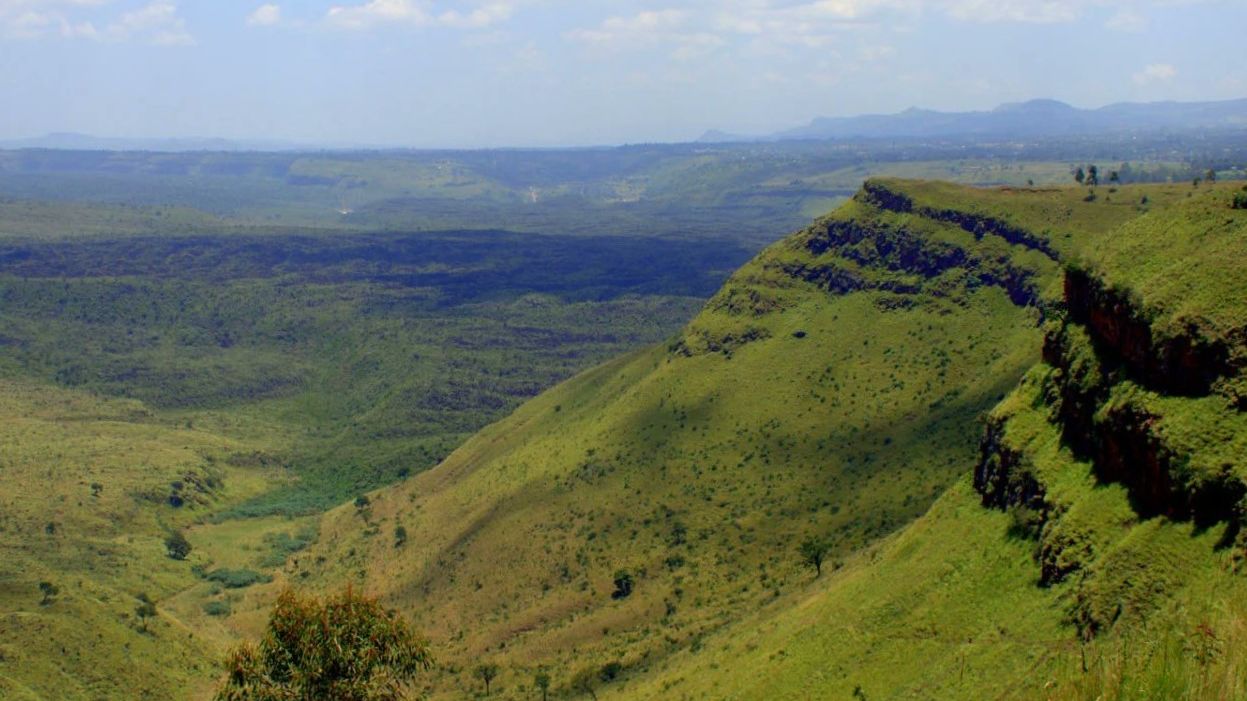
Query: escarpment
[1136,388]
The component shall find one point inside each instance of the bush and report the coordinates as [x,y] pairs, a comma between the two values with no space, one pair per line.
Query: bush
[347,647]
[177,545]
[1240,200]
[623,585]
[217,608]
[237,579]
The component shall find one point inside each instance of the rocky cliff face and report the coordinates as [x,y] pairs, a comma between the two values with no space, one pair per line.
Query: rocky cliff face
[1139,409]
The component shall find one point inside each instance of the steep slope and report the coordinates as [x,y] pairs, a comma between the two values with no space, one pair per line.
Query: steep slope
[830,389]
[1113,476]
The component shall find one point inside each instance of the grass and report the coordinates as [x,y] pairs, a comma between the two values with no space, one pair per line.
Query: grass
[699,466]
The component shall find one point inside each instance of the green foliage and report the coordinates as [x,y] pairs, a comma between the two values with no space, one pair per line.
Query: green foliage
[177,546]
[49,592]
[813,550]
[236,578]
[145,609]
[541,680]
[217,608]
[486,672]
[346,647]
[400,536]
[624,584]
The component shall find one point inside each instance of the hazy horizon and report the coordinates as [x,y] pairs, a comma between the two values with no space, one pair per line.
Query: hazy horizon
[540,73]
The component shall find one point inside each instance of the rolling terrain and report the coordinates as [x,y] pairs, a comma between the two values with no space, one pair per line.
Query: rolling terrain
[641,520]
[1011,416]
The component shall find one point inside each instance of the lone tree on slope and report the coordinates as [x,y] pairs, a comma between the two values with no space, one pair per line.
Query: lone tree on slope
[487,673]
[346,647]
[49,591]
[542,681]
[1080,176]
[813,551]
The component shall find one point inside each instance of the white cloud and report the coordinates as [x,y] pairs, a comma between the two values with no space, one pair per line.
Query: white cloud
[1127,20]
[648,28]
[265,16]
[1155,73]
[157,22]
[421,13]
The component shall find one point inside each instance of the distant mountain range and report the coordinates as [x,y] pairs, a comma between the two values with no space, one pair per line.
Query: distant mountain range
[1036,118]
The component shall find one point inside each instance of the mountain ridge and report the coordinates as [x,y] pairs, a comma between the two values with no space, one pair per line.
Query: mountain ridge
[1041,117]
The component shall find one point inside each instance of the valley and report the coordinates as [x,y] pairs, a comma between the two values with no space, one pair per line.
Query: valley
[599,456]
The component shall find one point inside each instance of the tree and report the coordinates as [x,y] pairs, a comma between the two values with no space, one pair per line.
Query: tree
[49,591]
[1211,176]
[1080,176]
[486,673]
[177,546]
[623,585]
[145,610]
[400,536]
[1093,175]
[1114,176]
[346,647]
[586,682]
[813,550]
[542,681]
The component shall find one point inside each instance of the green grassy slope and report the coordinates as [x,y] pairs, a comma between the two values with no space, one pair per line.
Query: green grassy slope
[88,501]
[831,388]
[1115,518]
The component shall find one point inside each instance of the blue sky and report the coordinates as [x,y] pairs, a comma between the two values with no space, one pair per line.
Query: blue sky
[473,73]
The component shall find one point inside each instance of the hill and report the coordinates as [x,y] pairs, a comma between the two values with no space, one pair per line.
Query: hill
[1021,120]
[639,513]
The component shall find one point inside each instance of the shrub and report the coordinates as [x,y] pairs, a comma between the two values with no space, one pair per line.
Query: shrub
[623,585]
[237,579]
[346,647]
[217,608]
[177,545]
[1240,200]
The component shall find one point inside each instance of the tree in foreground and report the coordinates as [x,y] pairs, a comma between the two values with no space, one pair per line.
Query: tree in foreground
[813,551]
[346,647]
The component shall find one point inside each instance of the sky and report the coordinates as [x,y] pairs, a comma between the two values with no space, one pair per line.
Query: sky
[482,73]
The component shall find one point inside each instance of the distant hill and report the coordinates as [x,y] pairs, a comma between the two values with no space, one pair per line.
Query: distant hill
[1036,118]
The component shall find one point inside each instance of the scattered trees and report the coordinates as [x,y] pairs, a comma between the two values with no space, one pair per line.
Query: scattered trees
[486,673]
[177,545]
[49,591]
[346,647]
[813,550]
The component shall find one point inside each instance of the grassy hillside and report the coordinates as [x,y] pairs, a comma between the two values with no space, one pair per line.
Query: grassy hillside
[830,389]
[92,489]
[1108,564]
